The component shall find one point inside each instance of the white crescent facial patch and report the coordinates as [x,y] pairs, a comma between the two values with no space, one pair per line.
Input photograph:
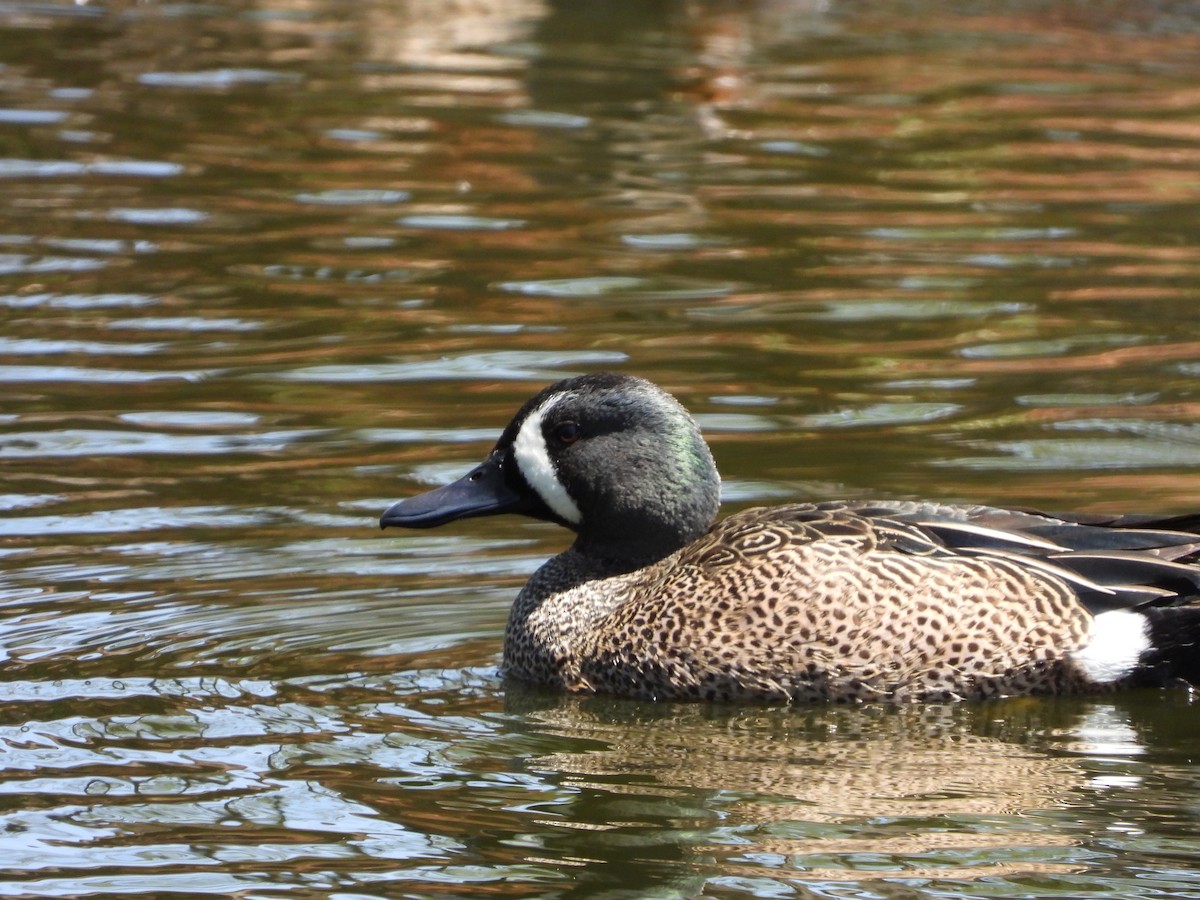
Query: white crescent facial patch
[533,459]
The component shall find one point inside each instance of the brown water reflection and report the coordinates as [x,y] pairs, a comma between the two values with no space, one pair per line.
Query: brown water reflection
[849,796]
[265,266]
[829,766]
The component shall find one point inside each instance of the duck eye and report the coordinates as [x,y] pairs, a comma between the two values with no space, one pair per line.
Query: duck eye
[568,432]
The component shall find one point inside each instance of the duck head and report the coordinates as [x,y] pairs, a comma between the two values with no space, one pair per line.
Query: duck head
[612,457]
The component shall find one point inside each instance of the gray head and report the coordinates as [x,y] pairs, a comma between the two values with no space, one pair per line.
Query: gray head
[612,457]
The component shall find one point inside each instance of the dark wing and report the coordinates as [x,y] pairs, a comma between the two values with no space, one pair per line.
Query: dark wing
[1110,562]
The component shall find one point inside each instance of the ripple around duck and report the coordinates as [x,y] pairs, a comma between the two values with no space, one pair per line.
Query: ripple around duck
[129,689]
[460,222]
[1144,444]
[198,419]
[32,116]
[1181,432]
[1082,398]
[536,118]
[110,246]
[1084,454]
[674,241]
[12,502]
[353,135]
[734,490]
[207,804]
[22,264]
[267,757]
[43,168]
[76,301]
[24,374]
[353,197]
[98,442]
[882,414]
[295,272]
[735,422]
[427,436]
[49,346]
[217,79]
[506,365]
[184,323]
[144,518]
[622,287]
[167,215]
[885,310]
[1041,349]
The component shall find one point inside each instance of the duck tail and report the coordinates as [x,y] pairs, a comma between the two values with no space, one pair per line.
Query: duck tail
[1173,636]
[1152,645]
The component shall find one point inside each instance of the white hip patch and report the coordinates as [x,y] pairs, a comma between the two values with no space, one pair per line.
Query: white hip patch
[1118,640]
[533,459]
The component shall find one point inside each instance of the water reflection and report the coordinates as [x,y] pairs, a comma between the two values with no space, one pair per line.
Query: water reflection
[837,765]
[832,795]
[264,261]
[686,796]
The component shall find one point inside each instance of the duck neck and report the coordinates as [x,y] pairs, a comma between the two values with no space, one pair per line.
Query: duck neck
[624,547]
[638,522]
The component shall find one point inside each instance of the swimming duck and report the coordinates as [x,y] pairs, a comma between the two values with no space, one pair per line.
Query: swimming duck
[842,601]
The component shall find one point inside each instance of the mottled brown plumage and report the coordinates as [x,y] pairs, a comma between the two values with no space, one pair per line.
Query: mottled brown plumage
[836,601]
[801,603]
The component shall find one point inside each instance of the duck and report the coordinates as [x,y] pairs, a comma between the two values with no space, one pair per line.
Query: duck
[838,601]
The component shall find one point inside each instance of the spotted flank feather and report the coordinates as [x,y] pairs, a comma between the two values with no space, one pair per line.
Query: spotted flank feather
[837,601]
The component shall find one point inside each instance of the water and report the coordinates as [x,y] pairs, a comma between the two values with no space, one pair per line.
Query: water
[266,267]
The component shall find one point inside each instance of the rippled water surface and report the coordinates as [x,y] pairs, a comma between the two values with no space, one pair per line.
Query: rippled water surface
[265,267]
